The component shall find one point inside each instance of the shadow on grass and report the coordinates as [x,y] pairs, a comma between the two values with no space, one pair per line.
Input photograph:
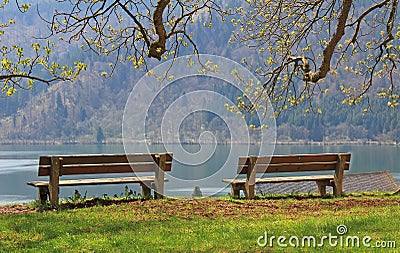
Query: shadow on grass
[96,201]
[81,201]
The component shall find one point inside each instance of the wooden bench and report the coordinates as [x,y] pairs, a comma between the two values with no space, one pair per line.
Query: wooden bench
[251,165]
[57,166]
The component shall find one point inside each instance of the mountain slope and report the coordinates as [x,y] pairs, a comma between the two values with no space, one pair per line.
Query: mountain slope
[77,112]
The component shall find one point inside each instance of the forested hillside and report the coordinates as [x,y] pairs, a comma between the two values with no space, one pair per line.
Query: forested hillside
[91,108]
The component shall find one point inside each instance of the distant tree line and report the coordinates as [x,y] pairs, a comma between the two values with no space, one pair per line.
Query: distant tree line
[342,123]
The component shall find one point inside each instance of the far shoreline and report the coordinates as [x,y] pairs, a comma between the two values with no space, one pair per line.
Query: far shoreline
[120,142]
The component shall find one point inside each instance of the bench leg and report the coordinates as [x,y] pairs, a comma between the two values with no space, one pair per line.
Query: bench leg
[146,191]
[159,176]
[321,187]
[157,194]
[53,195]
[249,191]
[54,180]
[250,178]
[43,193]
[338,177]
[235,191]
[338,189]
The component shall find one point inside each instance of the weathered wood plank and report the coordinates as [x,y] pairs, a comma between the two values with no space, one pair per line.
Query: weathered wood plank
[54,179]
[56,166]
[159,177]
[297,167]
[301,158]
[98,181]
[251,178]
[293,167]
[291,163]
[338,176]
[136,161]
[104,158]
[104,169]
[294,163]
[281,179]
[78,169]
[296,158]
[243,160]
[38,183]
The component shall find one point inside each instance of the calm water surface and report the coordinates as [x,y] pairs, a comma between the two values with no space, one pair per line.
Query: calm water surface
[18,164]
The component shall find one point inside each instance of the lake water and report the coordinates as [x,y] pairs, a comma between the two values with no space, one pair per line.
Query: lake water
[19,164]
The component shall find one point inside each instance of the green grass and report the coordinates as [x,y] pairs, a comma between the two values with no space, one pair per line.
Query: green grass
[205,225]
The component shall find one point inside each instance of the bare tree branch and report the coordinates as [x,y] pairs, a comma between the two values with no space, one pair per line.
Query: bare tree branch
[304,41]
[329,49]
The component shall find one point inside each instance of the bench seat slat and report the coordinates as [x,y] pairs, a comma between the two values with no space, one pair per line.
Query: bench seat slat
[98,181]
[281,179]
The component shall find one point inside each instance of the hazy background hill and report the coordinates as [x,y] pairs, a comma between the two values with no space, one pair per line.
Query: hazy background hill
[90,109]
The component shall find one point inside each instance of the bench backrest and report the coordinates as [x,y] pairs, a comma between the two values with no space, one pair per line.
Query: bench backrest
[107,163]
[292,163]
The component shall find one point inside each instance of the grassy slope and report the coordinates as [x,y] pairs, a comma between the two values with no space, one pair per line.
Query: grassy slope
[215,224]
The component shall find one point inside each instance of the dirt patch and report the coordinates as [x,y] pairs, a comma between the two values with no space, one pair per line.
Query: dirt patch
[16,209]
[216,207]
